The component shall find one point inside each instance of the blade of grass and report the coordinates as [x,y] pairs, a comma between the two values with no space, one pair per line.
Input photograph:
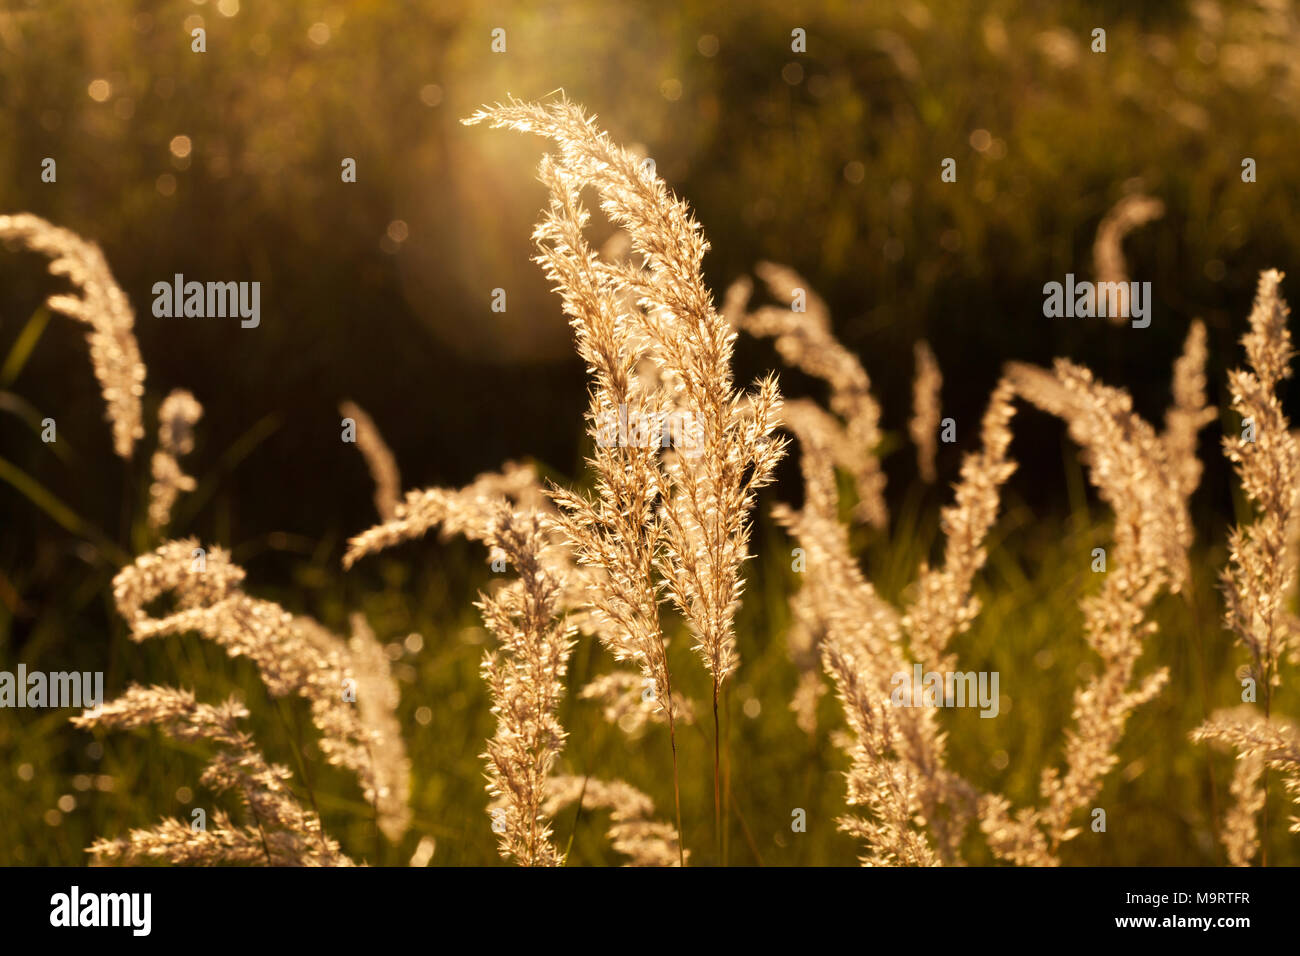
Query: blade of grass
[22,348]
[19,407]
[64,516]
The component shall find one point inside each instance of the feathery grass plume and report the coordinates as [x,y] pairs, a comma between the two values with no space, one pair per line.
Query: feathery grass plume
[925,409]
[1130,466]
[177,416]
[712,485]
[1020,837]
[818,432]
[808,693]
[725,452]
[197,579]
[526,678]
[1240,827]
[1261,743]
[378,698]
[283,833]
[886,786]
[617,532]
[104,307]
[459,511]
[293,654]
[898,768]
[898,771]
[633,832]
[940,608]
[805,341]
[468,512]
[1108,262]
[629,702]
[1128,462]
[379,459]
[1259,583]
[943,606]
[423,854]
[859,632]
[1189,412]
[617,535]
[1260,580]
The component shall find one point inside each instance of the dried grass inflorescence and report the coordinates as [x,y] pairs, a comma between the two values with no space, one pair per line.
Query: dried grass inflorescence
[1262,743]
[457,511]
[618,533]
[629,702]
[1132,469]
[1108,263]
[679,454]
[633,831]
[294,655]
[508,514]
[526,677]
[668,520]
[728,453]
[379,459]
[101,305]
[925,410]
[1259,583]
[1260,580]
[378,697]
[805,341]
[1189,413]
[282,834]
[918,810]
[177,417]
[897,773]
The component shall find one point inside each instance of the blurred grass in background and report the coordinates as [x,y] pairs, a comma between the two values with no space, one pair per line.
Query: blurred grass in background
[380,291]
